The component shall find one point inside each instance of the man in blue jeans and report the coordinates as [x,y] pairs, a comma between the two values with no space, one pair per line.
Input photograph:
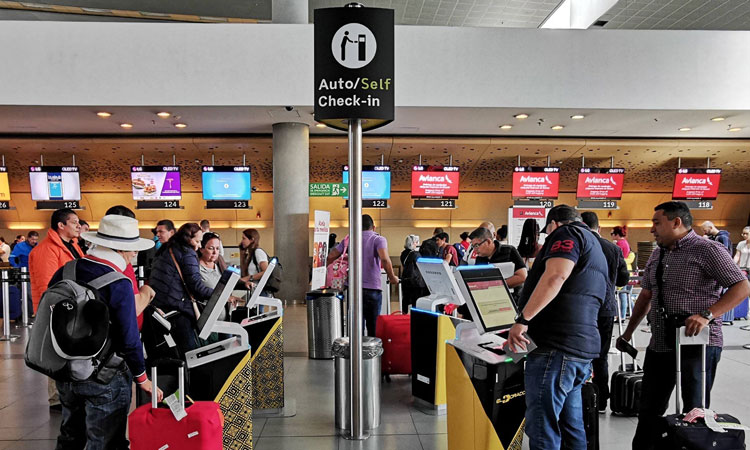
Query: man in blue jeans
[559,304]
[374,253]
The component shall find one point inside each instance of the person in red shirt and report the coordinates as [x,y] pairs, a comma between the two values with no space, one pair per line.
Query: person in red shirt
[447,251]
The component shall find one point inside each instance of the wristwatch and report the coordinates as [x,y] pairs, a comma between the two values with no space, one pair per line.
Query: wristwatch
[707,314]
[521,320]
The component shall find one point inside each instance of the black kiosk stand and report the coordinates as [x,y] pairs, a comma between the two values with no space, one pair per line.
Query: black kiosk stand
[486,393]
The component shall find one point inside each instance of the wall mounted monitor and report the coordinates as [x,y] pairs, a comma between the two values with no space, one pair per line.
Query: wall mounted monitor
[596,183]
[226,183]
[376,182]
[696,184]
[434,182]
[54,183]
[489,300]
[536,182]
[4,185]
[155,183]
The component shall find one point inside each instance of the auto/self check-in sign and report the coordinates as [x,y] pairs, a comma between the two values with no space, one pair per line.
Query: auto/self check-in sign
[354,66]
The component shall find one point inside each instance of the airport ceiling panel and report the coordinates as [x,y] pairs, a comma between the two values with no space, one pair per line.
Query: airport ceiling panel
[678,15]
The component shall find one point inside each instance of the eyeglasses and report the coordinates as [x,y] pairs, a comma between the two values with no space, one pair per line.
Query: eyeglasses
[473,246]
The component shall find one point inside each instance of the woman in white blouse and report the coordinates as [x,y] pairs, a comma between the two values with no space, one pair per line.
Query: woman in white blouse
[742,255]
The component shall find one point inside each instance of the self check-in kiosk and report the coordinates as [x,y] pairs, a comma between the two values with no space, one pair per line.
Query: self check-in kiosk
[429,330]
[486,395]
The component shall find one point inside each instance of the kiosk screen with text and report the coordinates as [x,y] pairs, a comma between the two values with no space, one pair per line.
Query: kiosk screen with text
[226,183]
[696,184]
[493,302]
[54,183]
[536,182]
[155,183]
[434,182]
[376,182]
[600,183]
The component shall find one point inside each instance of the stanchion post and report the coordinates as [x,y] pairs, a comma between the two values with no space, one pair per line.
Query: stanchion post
[6,309]
[24,295]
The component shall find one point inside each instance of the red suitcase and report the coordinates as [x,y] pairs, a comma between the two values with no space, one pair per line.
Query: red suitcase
[395,332]
[153,428]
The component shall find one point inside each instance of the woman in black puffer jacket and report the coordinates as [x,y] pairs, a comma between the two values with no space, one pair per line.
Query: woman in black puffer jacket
[170,289]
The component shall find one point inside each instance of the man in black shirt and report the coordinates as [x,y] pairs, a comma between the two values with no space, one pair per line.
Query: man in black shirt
[490,251]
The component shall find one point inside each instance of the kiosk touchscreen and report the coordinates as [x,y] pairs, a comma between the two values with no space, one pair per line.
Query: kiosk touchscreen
[438,276]
[492,309]
[256,299]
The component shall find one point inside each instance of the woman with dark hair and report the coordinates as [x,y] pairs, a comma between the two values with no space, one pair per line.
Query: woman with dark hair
[176,278]
[618,236]
[253,260]
[529,246]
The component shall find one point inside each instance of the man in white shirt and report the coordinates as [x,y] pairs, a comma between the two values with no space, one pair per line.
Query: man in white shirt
[4,250]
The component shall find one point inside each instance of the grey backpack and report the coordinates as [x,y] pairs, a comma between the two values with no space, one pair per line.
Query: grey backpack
[70,339]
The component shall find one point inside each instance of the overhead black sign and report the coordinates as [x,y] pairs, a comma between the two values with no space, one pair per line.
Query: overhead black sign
[354,66]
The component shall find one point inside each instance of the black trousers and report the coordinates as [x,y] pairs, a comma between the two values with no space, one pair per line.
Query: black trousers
[601,364]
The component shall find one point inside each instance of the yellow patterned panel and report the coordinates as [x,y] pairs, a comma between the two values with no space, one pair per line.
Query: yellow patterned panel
[268,370]
[236,402]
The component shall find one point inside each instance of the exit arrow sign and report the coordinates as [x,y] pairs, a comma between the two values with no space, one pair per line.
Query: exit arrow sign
[328,190]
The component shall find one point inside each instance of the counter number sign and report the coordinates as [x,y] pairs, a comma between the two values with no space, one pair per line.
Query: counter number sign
[354,66]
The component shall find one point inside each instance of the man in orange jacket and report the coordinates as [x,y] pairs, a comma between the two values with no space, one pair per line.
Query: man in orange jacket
[59,247]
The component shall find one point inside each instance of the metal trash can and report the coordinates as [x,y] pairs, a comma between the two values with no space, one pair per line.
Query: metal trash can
[372,350]
[324,322]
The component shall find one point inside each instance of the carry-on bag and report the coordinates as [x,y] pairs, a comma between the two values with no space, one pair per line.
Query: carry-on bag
[674,432]
[395,332]
[741,310]
[154,428]
[625,384]
[590,400]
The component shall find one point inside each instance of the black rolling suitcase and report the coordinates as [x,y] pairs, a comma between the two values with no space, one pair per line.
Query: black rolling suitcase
[625,385]
[590,400]
[675,433]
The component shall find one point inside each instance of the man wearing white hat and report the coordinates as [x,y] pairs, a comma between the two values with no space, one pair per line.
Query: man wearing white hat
[95,414]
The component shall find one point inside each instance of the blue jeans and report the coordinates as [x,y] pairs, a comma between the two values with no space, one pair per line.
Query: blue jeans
[659,381]
[553,400]
[371,302]
[624,297]
[95,415]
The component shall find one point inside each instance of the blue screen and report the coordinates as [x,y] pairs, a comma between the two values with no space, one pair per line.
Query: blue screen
[376,185]
[226,186]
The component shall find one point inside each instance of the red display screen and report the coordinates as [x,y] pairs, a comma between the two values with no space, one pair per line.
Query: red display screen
[600,184]
[536,182]
[434,182]
[696,184]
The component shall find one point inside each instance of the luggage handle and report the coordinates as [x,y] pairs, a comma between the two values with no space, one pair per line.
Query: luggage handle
[679,332]
[180,364]
[632,338]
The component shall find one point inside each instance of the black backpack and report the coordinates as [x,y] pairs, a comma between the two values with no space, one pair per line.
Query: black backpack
[273,284]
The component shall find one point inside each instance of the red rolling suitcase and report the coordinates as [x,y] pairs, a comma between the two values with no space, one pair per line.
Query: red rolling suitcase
[153,428]
[395,332]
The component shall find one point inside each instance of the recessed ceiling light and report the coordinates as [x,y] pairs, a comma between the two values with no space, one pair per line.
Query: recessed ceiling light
[521,116]
[506,127]
[717,119]
[685,129]
[735,129]
[104,114]
[557,127]
[164,114]
[126,125]
[577,116]
[321,125]
[180,125]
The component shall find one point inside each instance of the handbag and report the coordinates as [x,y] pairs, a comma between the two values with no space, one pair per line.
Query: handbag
[196,310]
[338,270]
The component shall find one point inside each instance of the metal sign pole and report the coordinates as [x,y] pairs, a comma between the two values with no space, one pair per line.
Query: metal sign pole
[355,278]
[24,297]
[6,310]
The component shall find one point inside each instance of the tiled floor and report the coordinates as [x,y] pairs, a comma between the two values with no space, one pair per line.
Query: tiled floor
[25,421]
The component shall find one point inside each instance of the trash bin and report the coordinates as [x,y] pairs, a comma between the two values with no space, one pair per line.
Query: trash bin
[324,322]
[372,350]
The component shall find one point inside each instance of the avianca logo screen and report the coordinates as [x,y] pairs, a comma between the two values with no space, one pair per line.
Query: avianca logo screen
[696,184]
[434,182]
[600,184]
[536,184]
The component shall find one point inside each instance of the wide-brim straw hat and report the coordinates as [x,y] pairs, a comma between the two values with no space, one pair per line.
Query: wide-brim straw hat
[118,233]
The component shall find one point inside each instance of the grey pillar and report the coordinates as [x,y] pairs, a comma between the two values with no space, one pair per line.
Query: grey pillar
[291,206]
[289,11]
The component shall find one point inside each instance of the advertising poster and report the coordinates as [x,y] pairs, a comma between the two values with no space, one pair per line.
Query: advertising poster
[54,183]
[536,182]
[155,183]
[320,248]
[434,182]
[696,184]
[517,215]
[226,183]
[600,184]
